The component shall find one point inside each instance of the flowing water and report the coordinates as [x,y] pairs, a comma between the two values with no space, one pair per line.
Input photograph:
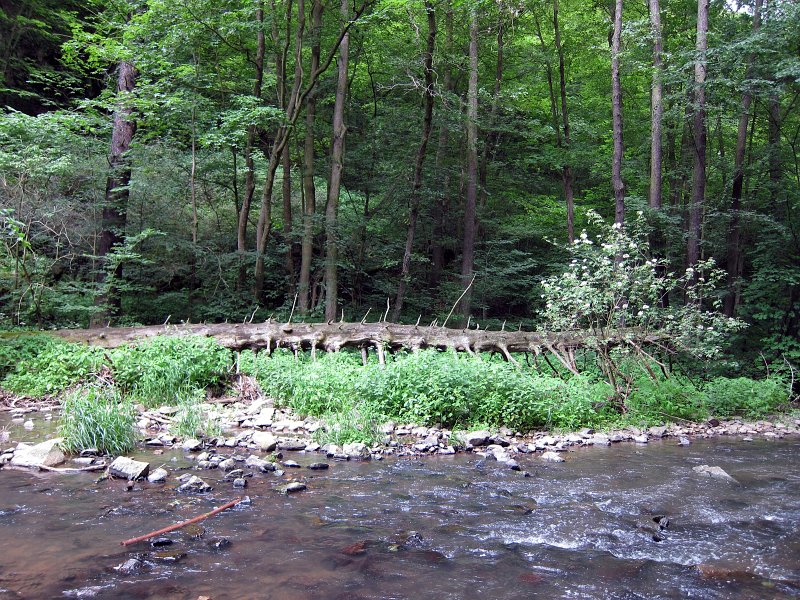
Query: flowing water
[438,528]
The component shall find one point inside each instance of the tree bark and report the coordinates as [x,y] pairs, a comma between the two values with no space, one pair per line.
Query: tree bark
[567,178]
[699,131]
[734,231]
[442,206]
[656,107]
[115,205]
[309,190]
[468,253]
[414,201]
[335,181]
[492,134]
[250,180]
[616,117]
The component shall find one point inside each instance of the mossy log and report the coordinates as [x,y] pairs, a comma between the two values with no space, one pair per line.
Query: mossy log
[331,337]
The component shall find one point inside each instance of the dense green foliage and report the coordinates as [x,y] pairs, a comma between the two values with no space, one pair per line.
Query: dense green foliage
[97,417]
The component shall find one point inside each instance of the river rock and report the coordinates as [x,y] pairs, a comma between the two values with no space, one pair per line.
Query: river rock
[599,439]
[552,456]
[48,454]
[240,482]
[293,487]
[194,484]
[474,439]
[127,468]
[657,431]
[356,450]
[684,441]
[192,445]
[715,472]
[318,466]
[640,439]
[262,465]
[291,444]
[158,476]
[227,465]
[291,464]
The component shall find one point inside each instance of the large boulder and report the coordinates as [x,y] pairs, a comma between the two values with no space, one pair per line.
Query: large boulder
[714,472]
[48,454]
[127,468]
[265,441]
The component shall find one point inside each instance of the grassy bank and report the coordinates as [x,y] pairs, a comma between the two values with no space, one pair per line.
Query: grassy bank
[428,388]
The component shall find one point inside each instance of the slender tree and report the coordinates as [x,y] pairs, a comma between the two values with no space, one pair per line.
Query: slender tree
[699,137]
[335,181]
[656,106]
[567,177]
[427,121]
[616,116]
[309,190]
[734,258]
[468,253]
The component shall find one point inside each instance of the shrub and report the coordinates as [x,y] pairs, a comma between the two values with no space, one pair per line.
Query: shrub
[191,419]
[155,372]
[95,417]
[747,397]
[348,426]
[673,398]
[50,366]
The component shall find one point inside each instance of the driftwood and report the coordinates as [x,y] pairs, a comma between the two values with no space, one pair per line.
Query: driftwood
[147,536]
[334,336]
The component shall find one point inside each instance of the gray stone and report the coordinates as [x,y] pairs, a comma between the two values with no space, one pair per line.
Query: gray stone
[312,447]
[192,445]
[356,450]
[291,444]
[318,466]
[240,482]
[474,439]
[657,431]
[194,484]
[262,465]
[291,488]
[599,439]
[227,465]
[387,428]
[714,472]
[127,468]
[264,419]
[158,476]
[640,439]
[552,456]
[291,464]
[448,450]
[48,454]
[684,441]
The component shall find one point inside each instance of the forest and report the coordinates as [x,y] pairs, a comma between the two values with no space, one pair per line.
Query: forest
[213,161]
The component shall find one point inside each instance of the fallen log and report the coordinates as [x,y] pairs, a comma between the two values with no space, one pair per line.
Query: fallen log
[197,519]
[333,336]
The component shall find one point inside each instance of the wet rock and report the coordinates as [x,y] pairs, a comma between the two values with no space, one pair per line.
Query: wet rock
[192,445]
[355,549]
[356,450]
[219,543]
[127,468]
[265,441]
[684,441]
[227,464]
[640,439]
[662,520]
[293,487]
[474,439]
[657,432]
[132,565]
[714,472]
[262,465]
[235,474]
[28,424]
[312,447]
[169,555]
[290,444]
[599,439]
[158,476]
[160,542]
[447,450]
[263,419]
[194,484]
[240,482]
[318,466]
[552,456]
[291,464]
[47,453]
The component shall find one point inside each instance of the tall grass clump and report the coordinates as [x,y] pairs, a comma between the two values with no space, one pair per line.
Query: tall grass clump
[97,417]
[192,420]
[157,371]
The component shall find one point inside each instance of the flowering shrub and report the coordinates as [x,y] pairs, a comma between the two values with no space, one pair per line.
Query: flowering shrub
[632,305]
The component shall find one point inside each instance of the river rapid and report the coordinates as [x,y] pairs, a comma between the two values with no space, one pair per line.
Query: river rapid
[444,527]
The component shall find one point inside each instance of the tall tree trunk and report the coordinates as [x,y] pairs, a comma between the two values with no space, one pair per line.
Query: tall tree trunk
[468,253]
[193,199]
[442,206]
[566,170]
[734,230]
[115,204]
[335,181]
[699,131]
[492,134]
[616,117]
[286,188]
[656,107]
[309,191]
[250,179]
[427,120]
[775,167]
